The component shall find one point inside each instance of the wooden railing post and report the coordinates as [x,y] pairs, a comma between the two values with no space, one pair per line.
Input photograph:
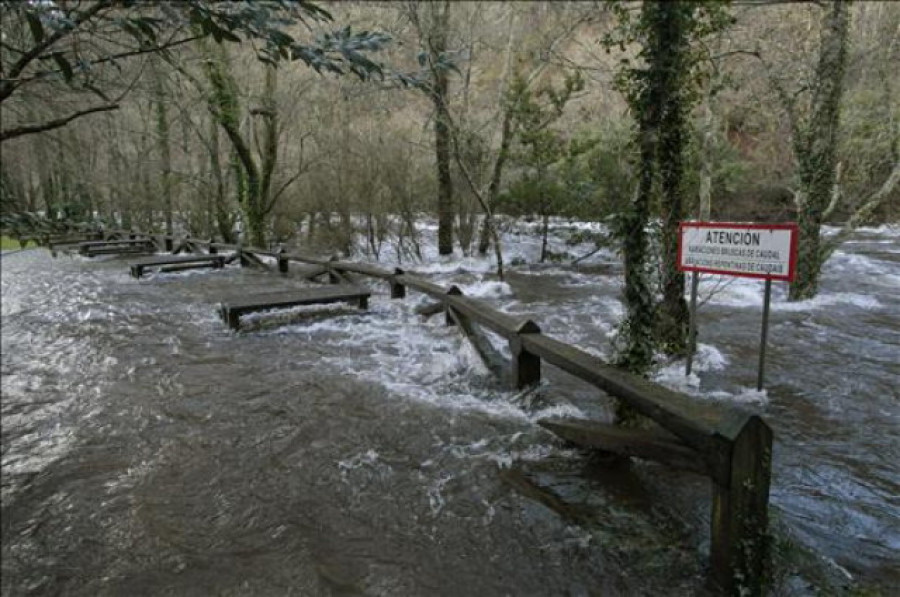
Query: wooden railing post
[239,251]
[211,249]
[282,259]
[526,367]
[398,291]
[454,291]
[739,538]
[169,245]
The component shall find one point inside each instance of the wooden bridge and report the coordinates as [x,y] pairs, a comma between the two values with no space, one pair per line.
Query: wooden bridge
[730,447]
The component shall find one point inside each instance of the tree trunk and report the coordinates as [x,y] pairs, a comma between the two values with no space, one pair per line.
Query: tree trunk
[270,140]
[223,104]
[496,176]
[162,143]
[224,218]
[545,230]
[816,150]
[638,353]
[673,316]
[438,46]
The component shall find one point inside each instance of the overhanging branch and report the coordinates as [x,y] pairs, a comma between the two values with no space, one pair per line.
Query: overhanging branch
[30,129]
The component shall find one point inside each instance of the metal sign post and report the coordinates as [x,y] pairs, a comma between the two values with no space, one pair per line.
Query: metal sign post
[767,251]
[692,329]
[765,330]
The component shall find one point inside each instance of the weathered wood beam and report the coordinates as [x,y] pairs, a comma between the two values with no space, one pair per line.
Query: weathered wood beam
[693,422]
[430,309]
[526,366]
[520,482]
[232,311]
[398,291]
[491,358]
[648,445]
[740,507]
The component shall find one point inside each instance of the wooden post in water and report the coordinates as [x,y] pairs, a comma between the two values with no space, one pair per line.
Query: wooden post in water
[398,291]
[739,533]
[526,367]
[454,291]
[282,260]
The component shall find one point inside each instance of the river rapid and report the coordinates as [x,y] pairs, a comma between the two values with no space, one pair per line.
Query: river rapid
[148,450]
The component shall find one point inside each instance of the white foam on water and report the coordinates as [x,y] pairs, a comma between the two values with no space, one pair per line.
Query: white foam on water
[425,362]
[892,280]
[858,265]
[708,358]
[356,461]
[743,395]
[487,289]
[822,300]
[748,293]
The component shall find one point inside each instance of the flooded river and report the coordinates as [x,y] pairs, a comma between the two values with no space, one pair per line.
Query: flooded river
[148,450]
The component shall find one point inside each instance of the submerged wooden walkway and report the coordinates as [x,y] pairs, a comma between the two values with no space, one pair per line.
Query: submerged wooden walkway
[176,263]
[231,312]
[116,247]
[729,446]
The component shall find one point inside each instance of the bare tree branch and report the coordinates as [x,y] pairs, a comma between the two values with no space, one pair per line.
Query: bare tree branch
[19,131]
[10,83]
[862,215]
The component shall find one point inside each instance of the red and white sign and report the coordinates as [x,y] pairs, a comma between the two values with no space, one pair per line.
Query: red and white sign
[747,250]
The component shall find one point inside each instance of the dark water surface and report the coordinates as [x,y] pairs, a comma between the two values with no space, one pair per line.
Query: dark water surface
[147,450]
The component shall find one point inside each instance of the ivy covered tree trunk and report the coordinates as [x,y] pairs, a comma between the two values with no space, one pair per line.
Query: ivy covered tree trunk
[815,148]
[673,315]
[225,107]
[638,352]
[646,100]
[223,215]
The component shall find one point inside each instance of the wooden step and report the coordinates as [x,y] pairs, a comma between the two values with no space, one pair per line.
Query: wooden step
[231,312]
[176,263]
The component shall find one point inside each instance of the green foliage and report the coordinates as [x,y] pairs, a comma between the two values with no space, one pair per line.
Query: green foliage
[660,84]
[539,147]
[699,19]
[155,27]
[9,244]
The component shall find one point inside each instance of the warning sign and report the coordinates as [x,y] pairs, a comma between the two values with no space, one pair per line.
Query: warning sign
[748,250]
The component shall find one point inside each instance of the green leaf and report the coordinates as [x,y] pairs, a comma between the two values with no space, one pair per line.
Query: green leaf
[34,23]
[146,28]
[64,66]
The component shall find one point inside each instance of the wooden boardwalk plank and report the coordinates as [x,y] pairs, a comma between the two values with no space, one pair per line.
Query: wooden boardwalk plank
[695,423]
[177,263]
[231,312]
[491,358]
[116,247]
[640,443]
[120,250]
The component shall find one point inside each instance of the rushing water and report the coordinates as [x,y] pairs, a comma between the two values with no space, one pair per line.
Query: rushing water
[148,450]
